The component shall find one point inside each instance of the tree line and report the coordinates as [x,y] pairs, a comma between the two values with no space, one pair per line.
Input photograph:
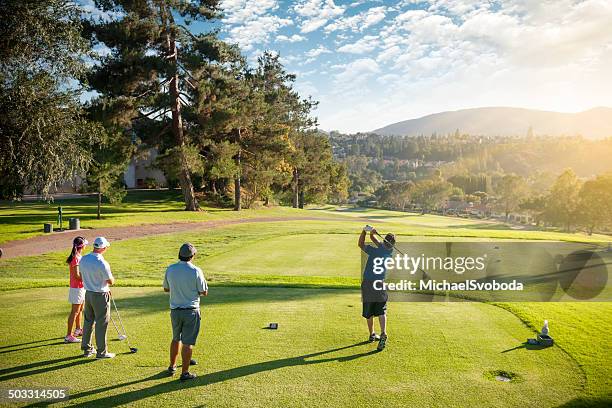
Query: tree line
[524,175]
[221,125]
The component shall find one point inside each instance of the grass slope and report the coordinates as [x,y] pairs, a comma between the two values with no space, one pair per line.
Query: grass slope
[316,254]
[439,355]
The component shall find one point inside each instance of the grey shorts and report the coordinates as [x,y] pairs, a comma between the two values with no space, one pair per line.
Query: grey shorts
[185,325]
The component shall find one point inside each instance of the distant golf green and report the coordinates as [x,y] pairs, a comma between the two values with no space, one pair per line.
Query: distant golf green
[302,274]
[308,255]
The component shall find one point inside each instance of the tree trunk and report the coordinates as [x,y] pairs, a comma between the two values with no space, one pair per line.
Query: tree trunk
[296,188]
[99,197]
[237,192]
[301,199]
[191,203]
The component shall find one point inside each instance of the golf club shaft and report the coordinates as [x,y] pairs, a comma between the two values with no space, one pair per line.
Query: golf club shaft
[115,324]
[127,338]
[403,253]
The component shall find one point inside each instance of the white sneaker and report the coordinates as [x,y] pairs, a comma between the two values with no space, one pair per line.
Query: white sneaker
[89,353]
[71,339]
[107,355]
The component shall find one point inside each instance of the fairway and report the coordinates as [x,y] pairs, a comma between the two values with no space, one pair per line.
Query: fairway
[304,254]
[309,203]
[439,354]
[302,274]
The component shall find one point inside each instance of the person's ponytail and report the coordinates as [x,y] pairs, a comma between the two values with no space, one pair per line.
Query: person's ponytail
[71,256]
[77,243]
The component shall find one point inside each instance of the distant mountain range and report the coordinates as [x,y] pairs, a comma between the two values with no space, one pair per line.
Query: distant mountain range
[503,121]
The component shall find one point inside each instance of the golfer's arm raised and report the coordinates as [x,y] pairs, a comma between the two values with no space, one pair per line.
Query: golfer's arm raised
[373,237]
[361,243]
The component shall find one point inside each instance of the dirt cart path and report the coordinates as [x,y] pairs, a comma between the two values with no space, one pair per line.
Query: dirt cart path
[61,240]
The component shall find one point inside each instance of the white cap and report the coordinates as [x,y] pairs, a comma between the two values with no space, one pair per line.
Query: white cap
[101,242]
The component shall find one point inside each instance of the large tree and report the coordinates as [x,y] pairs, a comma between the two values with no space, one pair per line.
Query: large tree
[157,71]
[44,138]
[595,203]
[231,118]
[563,199]
[510,190]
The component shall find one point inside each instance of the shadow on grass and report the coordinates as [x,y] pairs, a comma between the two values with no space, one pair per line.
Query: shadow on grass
[30,342]
[588,402]
[31,347]
[45,367]
[156,302]
[526,346]
[211,378]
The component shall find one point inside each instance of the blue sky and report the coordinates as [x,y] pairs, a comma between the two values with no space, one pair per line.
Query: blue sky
[374,62]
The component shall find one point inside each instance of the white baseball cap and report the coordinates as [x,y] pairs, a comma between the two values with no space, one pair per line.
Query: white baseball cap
[101,242]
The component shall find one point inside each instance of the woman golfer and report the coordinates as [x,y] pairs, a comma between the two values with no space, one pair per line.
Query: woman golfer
[76,293]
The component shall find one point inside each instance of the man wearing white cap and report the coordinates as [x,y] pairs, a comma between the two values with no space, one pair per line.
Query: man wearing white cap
[96,275]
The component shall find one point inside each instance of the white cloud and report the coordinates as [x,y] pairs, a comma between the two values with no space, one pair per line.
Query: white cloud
[389,53]
[251,22]
[358,22]
[364,45]
[239,11]
[292,39]
[356,72]
[316,13]
[315,52]
[436,55]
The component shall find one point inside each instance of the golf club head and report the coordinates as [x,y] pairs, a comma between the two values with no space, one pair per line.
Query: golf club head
[133,350]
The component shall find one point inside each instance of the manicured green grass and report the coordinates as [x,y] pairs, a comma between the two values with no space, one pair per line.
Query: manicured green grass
[580,329]
[26,219]
[284,253]
[439,354]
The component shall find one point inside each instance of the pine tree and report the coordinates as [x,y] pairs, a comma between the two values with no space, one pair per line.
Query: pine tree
[157,68]
[45,138]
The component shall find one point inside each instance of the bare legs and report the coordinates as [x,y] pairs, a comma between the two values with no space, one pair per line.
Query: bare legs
[74,317]
[382,319]
[174,349]
[77,321]
[370,321]
[186,352]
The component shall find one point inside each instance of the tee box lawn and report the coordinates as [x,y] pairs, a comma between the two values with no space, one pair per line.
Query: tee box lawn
[302,275]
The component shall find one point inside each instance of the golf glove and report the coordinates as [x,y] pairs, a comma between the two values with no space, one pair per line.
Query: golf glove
[368,228]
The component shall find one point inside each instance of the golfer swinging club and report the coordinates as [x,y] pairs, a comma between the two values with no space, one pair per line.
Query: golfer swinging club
[186,283]
[96,275]
[375,301]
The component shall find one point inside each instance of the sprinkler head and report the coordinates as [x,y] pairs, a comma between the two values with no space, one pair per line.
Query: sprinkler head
[133,350]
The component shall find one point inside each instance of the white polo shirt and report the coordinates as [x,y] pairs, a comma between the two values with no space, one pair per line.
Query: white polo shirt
[95,271]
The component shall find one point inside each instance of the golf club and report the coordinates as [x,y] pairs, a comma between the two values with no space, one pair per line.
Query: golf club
[121,336]
[425,275]
[132,349]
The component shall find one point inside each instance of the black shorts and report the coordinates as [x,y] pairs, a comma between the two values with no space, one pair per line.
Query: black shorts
[374,309]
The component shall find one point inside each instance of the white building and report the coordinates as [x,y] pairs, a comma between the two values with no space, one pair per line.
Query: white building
[140,173]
